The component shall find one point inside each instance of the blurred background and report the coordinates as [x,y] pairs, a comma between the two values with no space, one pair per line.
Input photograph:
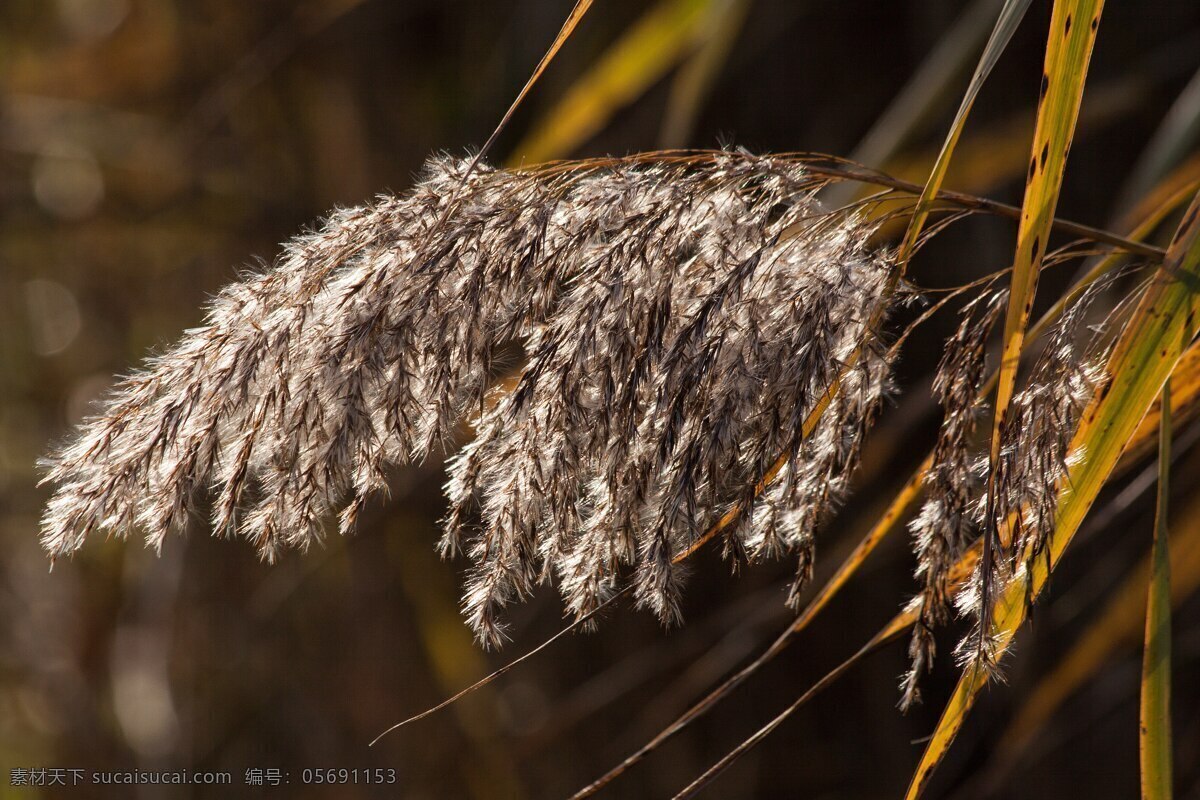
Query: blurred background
[149,149]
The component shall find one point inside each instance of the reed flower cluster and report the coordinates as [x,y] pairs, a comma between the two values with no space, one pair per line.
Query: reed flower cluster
[946,522]
[677,321]
[1029,475]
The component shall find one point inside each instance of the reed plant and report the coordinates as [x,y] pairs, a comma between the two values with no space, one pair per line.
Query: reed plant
[631,358]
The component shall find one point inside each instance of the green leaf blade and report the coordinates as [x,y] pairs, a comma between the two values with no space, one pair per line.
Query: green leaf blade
[1155,729]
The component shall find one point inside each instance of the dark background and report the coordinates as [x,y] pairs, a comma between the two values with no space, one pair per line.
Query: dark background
[148,148]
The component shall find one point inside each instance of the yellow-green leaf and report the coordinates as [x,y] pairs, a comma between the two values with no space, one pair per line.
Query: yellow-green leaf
[1155,729]
[1073,26]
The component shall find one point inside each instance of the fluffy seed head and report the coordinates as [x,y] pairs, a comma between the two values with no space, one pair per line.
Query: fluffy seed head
[678,320]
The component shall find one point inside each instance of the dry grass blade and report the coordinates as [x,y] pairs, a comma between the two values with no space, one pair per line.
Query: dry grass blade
[568,27]
[1161,329]
[898,624]
[641,56]
[839,168]
[1006,25]
[578,623]
[1073,27]
[1155,729]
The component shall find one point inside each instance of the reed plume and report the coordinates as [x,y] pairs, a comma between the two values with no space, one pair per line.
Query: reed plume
[677,319]
[1034,460]
[943,527]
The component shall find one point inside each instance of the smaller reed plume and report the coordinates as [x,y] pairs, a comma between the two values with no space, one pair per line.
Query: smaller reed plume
[1034,461]
[679,319]
[1035,458]
[943,526]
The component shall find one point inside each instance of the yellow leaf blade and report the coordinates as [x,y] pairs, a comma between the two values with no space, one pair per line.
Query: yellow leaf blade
[1073,26]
